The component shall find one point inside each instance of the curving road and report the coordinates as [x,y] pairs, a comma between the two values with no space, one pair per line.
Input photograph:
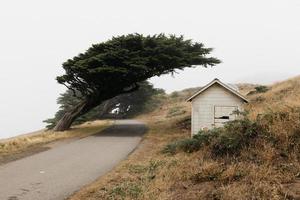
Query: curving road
[57,173]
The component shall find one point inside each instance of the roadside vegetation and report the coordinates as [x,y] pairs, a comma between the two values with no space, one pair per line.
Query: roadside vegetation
[252,158]
[22,146]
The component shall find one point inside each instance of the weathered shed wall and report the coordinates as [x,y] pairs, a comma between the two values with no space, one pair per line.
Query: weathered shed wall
[203,106]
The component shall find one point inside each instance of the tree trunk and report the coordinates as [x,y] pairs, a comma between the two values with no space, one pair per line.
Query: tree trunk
[69,117]
[85,106]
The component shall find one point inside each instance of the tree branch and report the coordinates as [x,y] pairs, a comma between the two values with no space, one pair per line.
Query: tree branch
[132,89]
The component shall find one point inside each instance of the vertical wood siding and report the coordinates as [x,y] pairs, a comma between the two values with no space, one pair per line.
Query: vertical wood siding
[203,106]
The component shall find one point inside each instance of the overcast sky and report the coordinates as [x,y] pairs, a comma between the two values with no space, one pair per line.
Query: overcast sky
[258,41]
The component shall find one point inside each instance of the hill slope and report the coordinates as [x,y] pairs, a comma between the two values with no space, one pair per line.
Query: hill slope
[279,95]
[264,166]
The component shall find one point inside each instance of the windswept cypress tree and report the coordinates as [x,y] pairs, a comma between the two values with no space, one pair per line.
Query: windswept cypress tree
[117,66]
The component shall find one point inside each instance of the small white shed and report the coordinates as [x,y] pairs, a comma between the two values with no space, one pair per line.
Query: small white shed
[214,104]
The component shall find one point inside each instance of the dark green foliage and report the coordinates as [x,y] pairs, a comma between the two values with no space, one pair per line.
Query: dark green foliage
[235,135]
[126,60]
[189,145]
[205,136]
[258,89]
[117,66]
[229,139]
[261,89]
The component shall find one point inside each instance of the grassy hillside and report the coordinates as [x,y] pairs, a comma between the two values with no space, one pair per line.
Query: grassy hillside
[254,158]
[279,96]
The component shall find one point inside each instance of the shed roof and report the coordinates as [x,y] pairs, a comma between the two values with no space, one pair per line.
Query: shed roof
[217,81]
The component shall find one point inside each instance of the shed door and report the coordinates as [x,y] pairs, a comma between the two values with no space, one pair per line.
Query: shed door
[224,114]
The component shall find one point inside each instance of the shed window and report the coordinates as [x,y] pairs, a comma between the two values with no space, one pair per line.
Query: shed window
[223,117]
[224,114]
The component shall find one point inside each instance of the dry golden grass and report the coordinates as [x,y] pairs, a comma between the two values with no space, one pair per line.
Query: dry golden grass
[281,95]
[245,88]
[144,174]
[265,170]
[149,174]
[21,146]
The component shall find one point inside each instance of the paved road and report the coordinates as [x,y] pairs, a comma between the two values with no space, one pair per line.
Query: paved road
[58,172]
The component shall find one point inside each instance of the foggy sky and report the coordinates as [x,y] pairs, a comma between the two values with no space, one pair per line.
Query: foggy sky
[257,41]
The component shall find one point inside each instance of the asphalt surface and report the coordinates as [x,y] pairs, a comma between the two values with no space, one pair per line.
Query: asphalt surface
[57,173]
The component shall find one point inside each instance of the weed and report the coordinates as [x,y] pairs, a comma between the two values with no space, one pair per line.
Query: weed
[137,169]
[170,148]
[126,189]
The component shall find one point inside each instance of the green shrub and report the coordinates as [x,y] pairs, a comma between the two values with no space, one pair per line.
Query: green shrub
[205,137]
[234,136]
[227,144]
[189,145]
[258,89]
[229,139]
[170,148]
[261,89]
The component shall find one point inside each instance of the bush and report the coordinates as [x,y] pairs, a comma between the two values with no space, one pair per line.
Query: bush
[189,145]
[227,144]
[235,135]
[261,89]
[258,89]
[280,128]
[229,139]
[205,137]
[170,148]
